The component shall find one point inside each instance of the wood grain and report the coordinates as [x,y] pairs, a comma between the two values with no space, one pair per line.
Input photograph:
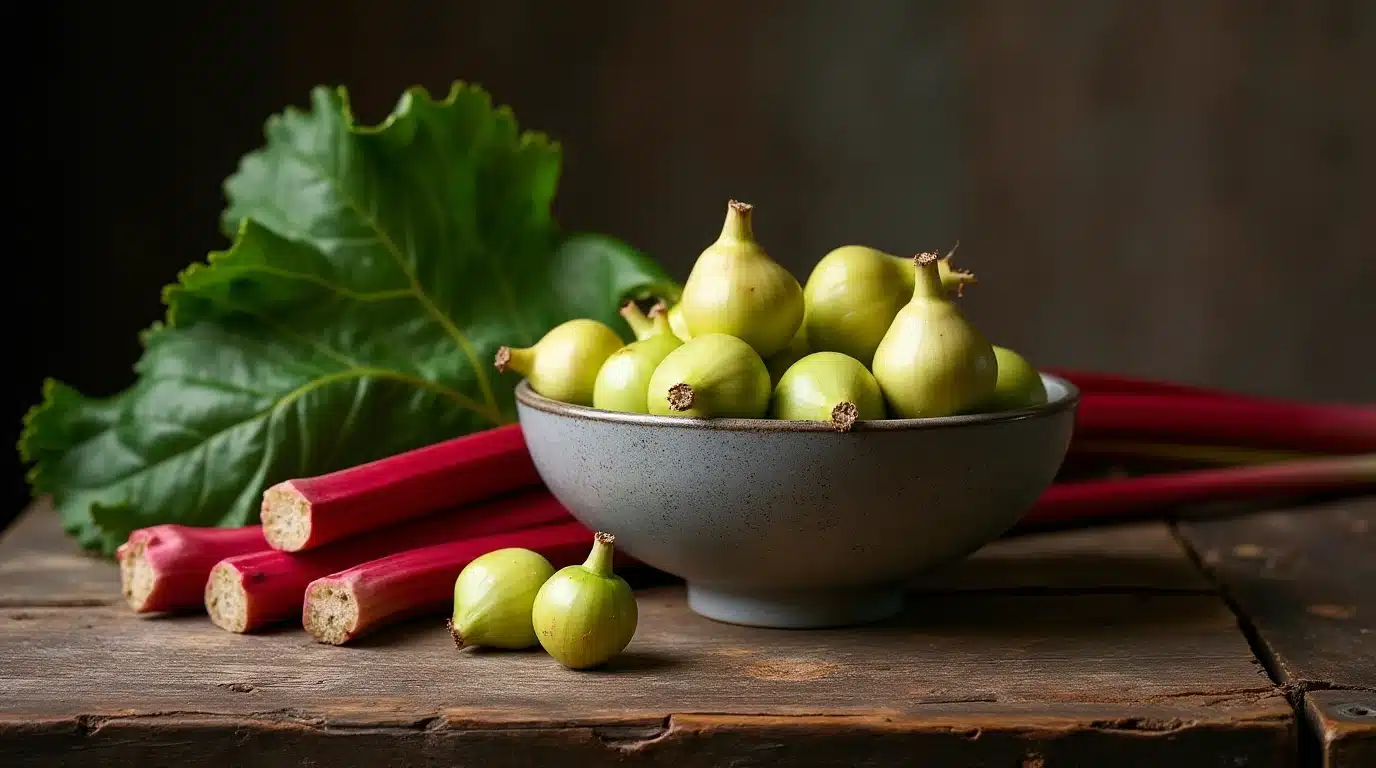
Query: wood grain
[1095,648]
[39,565]
[1136,557]
[1304,579]
[1126,666]
[964,736]
[1010,665]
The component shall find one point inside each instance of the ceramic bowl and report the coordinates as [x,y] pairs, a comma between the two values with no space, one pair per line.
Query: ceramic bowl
[791,524]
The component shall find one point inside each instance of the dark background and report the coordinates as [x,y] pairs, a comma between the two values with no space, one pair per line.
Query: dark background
[1176,189]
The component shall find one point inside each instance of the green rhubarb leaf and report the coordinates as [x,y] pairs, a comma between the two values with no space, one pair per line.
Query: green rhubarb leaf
[374,272]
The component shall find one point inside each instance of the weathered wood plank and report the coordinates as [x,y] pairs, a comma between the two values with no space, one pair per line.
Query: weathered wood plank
[1345,724]
[1063,647]
[1102,666]
[1306,580]
[39,565]
[1092,648]
[1120,558]
[964,735]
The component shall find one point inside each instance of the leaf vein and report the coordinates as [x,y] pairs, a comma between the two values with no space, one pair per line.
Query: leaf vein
[370,218]
[348,293]
[297,394]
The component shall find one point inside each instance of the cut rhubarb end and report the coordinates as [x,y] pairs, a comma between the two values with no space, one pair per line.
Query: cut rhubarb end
[226,600]
[331,612]
[137,576]
[286,517]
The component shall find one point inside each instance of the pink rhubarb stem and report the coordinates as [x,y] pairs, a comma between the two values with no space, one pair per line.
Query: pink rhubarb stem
[1154,494]
[1252,424]
[250,591]
[309,512]
[164,567]
[1201,454]
[344,605]
[1090,382]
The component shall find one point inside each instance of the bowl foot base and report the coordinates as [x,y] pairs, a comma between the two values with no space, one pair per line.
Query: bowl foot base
[802,609]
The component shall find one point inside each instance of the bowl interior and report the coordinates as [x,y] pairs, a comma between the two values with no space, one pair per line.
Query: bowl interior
[1061,396]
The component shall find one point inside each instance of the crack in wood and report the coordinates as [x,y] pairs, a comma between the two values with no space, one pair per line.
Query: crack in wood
[632,738]
[1267,656]
[1146,724]
[1141,590]
[66,602]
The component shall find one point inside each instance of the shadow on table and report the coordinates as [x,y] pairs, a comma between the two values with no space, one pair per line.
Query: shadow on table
[1053,613]
[424,630]
[1083,572]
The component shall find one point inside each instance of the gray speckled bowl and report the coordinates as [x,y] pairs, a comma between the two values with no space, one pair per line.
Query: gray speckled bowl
[791,524]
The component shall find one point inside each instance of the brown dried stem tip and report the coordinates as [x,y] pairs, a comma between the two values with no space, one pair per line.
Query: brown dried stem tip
[658,309]
[960,277]
[740,207]
[844,416]
[454,633]
[928,257]
[604,538]
[503,359]
[681,397]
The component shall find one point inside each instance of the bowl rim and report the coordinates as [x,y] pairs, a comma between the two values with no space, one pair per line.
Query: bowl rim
[527,397]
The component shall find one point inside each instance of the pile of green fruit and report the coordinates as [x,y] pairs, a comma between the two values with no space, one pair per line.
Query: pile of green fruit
[872,335]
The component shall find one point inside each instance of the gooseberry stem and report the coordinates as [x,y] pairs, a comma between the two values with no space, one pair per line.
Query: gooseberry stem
[928,279]
[737,225]
[956,278]
[600,558]
[658,320]
[518,359]
[639,323]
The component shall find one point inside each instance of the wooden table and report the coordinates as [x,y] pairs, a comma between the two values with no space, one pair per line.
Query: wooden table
[1239,642]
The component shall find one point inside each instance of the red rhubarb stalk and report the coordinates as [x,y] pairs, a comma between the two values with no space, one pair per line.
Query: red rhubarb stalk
[250,591]
[1225,455]
[1093,383]
[164,567]
[1153,494]
[1254,424]
[310,512]
[344,605]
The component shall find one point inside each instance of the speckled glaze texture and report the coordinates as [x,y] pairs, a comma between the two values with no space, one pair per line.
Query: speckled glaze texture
[792,524]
